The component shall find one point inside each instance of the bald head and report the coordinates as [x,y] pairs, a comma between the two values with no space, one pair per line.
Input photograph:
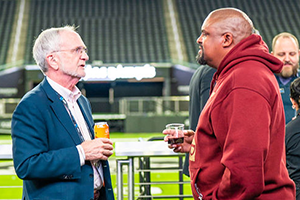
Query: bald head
[231,20]
[221,31]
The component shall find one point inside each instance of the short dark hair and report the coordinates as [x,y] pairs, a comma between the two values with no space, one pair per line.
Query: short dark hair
[295,90]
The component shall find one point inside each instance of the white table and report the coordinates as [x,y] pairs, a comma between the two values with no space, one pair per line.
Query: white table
[6,151]
[152,148]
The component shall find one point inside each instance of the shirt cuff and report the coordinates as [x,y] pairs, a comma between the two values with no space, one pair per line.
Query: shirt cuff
[81,154]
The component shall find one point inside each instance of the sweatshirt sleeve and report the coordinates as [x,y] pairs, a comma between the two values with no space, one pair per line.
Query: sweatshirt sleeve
[242,130]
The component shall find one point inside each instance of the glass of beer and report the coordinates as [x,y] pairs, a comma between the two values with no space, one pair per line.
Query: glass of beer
[101,130]
[176,136]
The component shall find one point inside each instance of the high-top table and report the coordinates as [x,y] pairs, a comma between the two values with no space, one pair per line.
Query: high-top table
[6,151]
[143,150]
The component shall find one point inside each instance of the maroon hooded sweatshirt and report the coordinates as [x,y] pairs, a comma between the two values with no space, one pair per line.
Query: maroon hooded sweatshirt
[238,150]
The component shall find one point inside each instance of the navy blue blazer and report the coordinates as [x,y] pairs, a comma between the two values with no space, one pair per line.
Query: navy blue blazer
[44,149]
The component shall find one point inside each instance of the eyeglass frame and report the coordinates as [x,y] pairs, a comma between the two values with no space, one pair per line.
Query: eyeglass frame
[77,50]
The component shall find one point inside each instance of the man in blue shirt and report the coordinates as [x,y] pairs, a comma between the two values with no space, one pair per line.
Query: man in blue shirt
[285,47]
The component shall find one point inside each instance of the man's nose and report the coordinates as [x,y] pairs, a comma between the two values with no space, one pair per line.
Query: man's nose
[287,57]
[199,39]
[85,56]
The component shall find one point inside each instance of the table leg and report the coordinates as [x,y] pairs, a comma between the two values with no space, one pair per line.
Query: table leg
[129,162]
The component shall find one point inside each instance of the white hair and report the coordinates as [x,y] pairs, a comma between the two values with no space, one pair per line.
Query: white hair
[47,42]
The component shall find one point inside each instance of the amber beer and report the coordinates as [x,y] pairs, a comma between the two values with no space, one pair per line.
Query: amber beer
[101,130]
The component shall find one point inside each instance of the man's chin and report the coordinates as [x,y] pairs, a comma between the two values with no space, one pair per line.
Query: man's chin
[200,60]
[286,74]
[80,75]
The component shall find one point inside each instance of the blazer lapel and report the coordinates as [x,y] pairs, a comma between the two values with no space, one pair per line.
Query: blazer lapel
[65,119]
[85,112]
[60,112]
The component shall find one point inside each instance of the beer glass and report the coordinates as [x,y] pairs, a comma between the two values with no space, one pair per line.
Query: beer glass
[175,136]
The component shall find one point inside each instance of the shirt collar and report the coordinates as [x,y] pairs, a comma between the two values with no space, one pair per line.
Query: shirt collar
[284,80]
[70,96]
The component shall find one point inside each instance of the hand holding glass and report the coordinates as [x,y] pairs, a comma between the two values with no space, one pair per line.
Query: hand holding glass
[175,135]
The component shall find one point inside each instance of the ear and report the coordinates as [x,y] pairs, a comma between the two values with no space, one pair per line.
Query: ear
[227,40]
[294,103]
[292,100]
[52,61]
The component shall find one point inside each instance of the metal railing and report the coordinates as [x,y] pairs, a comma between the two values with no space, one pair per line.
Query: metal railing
[7,107]
[127,106]
[177,105]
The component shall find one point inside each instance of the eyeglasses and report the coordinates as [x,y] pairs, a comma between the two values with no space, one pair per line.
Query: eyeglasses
[77,50]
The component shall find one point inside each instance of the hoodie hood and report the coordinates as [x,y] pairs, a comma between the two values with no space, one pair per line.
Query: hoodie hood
[250,48]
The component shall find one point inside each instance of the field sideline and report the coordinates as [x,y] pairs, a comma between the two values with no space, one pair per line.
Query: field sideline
[11,185]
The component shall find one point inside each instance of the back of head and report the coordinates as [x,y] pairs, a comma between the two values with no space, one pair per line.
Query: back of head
[295,90]
[47,42]
[232,20]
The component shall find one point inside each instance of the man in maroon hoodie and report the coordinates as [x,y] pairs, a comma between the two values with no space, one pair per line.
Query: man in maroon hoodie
[237,151]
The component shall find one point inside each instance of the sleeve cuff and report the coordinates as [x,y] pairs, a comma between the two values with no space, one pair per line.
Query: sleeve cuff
[81,154]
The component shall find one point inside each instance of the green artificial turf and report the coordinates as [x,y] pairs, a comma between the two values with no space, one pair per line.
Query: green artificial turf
[10,187]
